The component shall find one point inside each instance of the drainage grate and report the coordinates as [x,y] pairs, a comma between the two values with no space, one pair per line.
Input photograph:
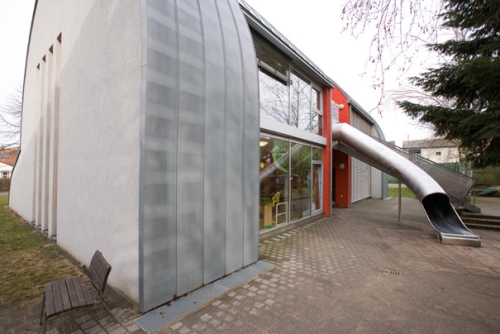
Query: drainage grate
[392,272]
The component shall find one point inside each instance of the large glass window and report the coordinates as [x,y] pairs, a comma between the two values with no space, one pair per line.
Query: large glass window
[274,182]
[290,101]
[273,98]
[291,186]
[316,112]
[300,103]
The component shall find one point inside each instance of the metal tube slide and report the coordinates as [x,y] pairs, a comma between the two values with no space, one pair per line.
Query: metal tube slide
[435,202]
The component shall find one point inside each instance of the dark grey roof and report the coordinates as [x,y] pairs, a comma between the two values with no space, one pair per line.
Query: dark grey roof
[253,14]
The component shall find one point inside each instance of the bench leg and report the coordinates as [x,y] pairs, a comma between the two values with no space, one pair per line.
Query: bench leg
[45,326]
[43,309]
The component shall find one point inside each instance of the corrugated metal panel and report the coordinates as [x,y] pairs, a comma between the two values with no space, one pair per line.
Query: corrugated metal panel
[158,221]
[190,143]
[360,171]
[215,149]
[234,141]
[251,150]
[199,135]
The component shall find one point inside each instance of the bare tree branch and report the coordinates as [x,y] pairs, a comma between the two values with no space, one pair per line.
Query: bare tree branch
[10,118]
[400,29]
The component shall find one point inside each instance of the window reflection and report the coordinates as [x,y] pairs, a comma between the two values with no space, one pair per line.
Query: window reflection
[290,181]
[273,98]
[274,185]
[300,204]
[300,103]
[317,123]
[317,184]
[315,98]
[317,154]
[295,103]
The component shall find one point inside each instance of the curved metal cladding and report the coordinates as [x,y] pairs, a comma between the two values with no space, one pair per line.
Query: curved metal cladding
[440,213]
[200,134]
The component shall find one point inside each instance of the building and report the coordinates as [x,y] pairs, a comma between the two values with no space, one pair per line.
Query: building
[8,158]
[436,149]
[143,136]
[5,171]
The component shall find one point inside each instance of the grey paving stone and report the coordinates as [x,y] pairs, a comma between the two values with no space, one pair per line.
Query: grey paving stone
[118,330]
[83,319]
[88,324]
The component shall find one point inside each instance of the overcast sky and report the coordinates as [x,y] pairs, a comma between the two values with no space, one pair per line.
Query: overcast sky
[15,21]
[314,26]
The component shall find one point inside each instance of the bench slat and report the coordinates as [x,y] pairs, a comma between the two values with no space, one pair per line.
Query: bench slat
[87,298]
[57,297]
[49,299]
[72,293]
[79,292]
[64,294]
[99,269]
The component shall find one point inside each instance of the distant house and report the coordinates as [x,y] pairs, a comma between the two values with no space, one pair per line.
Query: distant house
[7,160]
[8,156]
[5,171]
[437,150]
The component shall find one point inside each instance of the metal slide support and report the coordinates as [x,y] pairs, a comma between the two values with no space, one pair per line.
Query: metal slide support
[399,202]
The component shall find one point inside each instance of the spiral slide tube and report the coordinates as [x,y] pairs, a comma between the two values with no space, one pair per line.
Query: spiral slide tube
[435,202]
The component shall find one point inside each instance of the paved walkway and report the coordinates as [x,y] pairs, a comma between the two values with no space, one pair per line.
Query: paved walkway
[363,272]
[360,271]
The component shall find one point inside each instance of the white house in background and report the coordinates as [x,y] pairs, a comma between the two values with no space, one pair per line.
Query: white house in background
[5,171]
[437,150]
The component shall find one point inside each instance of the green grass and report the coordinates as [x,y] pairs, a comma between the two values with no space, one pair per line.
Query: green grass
[28,259]
[405,192]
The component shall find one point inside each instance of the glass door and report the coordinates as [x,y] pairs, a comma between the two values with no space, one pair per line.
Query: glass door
[274,182]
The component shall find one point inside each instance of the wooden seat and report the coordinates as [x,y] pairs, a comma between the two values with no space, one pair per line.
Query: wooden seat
[70,293]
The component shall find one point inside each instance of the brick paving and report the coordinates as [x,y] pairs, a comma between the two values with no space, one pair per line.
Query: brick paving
[360,271]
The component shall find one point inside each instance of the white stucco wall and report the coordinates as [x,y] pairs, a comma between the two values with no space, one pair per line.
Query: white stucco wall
[446,154]
[99,137]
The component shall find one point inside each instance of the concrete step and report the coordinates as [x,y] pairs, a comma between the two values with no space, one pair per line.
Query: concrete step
[466,215]
[481,221]
[483,226]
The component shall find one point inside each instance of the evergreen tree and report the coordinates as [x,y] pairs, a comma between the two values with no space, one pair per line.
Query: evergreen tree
[471,81]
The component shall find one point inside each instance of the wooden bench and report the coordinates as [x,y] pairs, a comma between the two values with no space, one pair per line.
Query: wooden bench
[70,293]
